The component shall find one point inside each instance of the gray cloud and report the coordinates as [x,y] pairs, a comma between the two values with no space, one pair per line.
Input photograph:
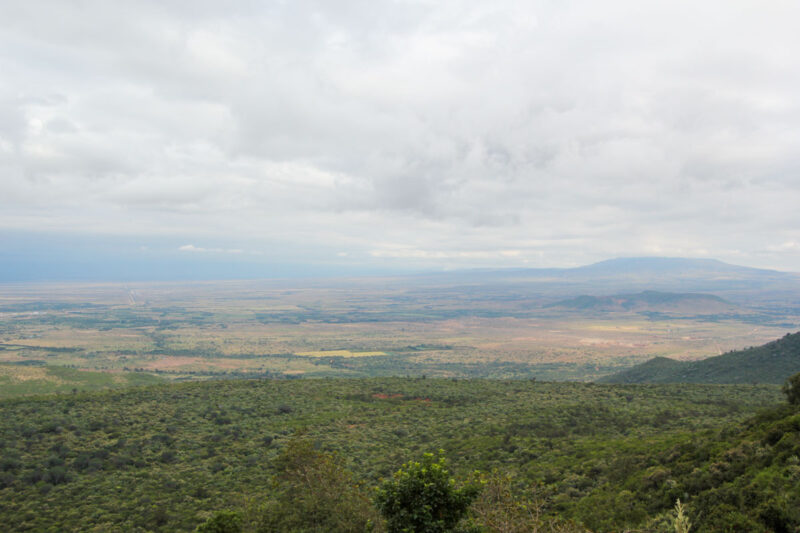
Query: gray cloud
[424,133]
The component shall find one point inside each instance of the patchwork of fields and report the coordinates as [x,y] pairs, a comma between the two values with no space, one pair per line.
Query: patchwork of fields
[355,329]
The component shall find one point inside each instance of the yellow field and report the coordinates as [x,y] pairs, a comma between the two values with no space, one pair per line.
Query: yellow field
[17,374]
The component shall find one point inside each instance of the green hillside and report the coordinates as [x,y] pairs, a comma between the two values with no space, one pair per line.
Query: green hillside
[741,478]
[165,457]
[773,362]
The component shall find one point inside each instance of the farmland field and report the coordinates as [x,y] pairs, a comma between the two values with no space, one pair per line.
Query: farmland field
[339,353]
[20,380]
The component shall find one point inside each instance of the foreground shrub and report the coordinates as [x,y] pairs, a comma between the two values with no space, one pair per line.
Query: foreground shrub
[502,507]
[421,497]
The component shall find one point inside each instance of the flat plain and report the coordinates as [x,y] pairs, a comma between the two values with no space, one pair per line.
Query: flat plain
[358,328]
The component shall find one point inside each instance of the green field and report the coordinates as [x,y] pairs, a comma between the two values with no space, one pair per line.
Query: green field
[19,380]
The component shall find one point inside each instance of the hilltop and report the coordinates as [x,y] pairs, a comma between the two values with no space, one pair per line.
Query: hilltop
[771,363]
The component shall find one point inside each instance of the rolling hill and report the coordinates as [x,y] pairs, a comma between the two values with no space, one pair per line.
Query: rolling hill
[770,363]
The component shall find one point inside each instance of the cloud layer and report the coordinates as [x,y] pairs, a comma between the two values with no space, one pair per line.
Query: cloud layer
[409,133]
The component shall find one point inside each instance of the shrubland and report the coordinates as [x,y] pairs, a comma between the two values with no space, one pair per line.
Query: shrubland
[603,457]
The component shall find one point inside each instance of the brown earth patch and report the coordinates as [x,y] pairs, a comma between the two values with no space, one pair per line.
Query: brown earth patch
[383,396]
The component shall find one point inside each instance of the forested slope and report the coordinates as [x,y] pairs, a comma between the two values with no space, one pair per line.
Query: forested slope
[773,362]
[743,477]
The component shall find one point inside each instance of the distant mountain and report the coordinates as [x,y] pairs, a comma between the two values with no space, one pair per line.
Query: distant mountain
[770,363]
[670,274]
[765,296]
[663,302]
[671,265]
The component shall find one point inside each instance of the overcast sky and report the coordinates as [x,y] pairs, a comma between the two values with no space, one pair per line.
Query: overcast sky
[401,135]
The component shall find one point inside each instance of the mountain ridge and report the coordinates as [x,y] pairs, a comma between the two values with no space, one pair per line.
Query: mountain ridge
[735,283]
[697,303]
[621,267]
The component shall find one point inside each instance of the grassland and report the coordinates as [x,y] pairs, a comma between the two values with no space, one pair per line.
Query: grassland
[19,380]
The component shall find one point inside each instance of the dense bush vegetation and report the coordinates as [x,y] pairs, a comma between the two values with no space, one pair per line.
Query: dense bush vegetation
[169,457]
[312,491]
[770,363]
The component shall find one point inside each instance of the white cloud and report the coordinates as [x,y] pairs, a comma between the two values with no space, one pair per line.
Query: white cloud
[465,133]
[197,249]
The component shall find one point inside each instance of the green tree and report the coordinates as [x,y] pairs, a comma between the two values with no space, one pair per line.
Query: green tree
[421,497]
[792,389]
[313,492]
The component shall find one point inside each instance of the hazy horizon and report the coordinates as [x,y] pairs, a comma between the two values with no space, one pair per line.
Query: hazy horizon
[112,263]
